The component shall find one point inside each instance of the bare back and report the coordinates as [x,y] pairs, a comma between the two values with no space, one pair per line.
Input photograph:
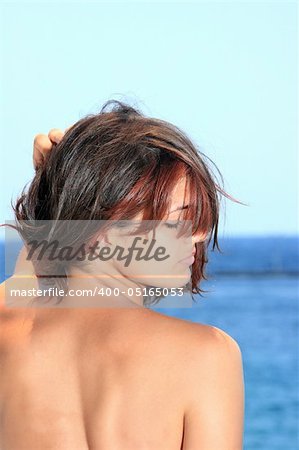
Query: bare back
[93,379]
[102,379]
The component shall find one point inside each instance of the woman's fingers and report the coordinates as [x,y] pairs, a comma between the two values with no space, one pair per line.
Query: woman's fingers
[44,143]
[41,146]
[55,135]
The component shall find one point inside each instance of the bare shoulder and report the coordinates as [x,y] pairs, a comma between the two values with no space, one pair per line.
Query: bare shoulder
[211,348]
[198,336]
[197,351]
[202,347]
[215,338]
[210,363]
[15,323]
[215,356]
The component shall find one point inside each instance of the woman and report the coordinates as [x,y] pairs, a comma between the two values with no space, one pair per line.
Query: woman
[121,377]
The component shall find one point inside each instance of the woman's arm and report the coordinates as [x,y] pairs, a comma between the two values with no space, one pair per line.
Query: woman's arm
[42,144]
[215,410]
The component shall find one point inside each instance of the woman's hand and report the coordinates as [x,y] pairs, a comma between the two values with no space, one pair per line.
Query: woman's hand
[43,144]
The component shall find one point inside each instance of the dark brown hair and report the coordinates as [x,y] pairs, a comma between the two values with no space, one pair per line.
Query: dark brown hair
[118,162]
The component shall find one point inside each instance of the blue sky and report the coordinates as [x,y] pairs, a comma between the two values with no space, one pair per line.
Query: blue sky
[224,72]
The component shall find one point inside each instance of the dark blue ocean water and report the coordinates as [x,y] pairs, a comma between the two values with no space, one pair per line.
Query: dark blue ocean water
[253,296]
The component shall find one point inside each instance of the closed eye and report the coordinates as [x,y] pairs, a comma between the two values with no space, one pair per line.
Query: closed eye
[172,225]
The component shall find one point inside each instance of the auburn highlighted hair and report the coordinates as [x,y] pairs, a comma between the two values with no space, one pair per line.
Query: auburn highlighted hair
[117,163]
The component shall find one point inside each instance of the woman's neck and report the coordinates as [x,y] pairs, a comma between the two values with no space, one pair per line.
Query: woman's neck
[95,286]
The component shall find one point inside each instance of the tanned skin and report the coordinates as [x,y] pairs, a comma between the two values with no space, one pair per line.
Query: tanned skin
[105,379]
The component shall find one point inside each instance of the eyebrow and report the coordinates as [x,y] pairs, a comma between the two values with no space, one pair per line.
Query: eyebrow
[179,208]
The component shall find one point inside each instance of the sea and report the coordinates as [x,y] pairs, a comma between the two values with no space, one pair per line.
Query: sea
[253,295]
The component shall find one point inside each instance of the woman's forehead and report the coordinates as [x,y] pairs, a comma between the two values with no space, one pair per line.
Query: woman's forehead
[180,194]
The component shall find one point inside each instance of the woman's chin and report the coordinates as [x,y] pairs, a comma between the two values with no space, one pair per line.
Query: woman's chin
[174,281]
